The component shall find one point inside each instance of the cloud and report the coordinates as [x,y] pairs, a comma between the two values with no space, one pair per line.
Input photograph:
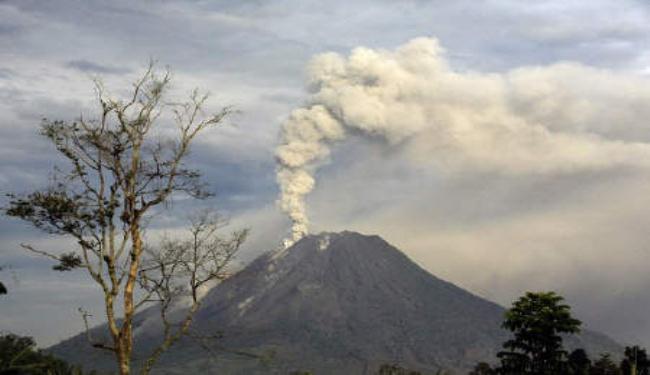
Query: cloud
[498,235]
[528,179]
[252,54]
[557,119]
[93,67]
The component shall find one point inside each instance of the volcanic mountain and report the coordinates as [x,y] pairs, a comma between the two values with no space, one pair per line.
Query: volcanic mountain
[334,303]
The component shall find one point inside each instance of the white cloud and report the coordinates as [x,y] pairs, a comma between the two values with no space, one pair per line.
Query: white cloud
[532,120]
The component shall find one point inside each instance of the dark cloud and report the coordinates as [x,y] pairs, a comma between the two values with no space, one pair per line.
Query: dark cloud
[92,67]
[9,29]
[5,73]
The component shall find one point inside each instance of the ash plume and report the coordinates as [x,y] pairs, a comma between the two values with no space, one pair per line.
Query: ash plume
[560,118]
[305,136]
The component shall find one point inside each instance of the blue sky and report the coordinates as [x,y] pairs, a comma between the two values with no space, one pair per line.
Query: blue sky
[582,233]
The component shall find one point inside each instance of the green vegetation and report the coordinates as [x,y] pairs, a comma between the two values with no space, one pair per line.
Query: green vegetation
[604,366]
[482,368]
[578,362]
[636,361]
[537,322]
[19,356]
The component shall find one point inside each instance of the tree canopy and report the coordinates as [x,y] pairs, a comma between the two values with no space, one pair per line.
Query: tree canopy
[537,321]
[123,165]
[19,356]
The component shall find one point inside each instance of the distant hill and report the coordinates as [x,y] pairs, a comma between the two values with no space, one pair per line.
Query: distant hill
[334,303]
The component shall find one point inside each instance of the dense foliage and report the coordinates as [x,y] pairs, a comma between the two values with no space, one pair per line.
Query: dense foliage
[19,356]
[636,361]
[538,321]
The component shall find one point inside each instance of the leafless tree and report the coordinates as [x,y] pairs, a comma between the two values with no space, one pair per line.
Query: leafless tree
[120,170]
[175,272]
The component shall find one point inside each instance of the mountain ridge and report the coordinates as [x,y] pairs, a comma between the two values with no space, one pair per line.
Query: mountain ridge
[337,303]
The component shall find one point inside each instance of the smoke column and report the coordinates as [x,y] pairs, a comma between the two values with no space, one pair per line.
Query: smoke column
[559,118]
[304,139]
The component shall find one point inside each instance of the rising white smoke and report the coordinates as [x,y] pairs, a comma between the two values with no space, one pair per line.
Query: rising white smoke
[555,119]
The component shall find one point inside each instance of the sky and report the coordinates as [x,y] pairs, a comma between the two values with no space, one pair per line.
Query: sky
[502,145]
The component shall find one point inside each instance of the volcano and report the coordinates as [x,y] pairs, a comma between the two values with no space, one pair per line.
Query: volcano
[334,303]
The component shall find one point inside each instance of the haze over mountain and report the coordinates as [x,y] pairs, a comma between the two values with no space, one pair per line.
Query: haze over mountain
[334,303]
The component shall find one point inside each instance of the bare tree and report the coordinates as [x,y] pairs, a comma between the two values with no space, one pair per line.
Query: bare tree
[175,272]
[119,172]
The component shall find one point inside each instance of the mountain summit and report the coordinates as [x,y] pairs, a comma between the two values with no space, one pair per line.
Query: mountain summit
[334,303]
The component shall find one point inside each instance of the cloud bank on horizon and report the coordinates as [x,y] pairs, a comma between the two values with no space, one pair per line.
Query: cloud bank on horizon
[557,119]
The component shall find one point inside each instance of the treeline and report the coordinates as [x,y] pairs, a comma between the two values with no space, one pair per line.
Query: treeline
[577,362]
[538,321]
[19,356]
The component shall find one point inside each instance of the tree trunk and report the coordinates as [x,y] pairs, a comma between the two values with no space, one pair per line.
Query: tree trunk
[123,360]
[126,336]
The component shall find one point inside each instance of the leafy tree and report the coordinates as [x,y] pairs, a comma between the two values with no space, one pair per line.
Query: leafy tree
[604,366]
[578,362]
[19,356]
[635,362]
[482,368]
[121,169]
[537,321]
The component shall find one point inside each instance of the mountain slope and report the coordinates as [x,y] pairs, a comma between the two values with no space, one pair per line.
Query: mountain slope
[337,303]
